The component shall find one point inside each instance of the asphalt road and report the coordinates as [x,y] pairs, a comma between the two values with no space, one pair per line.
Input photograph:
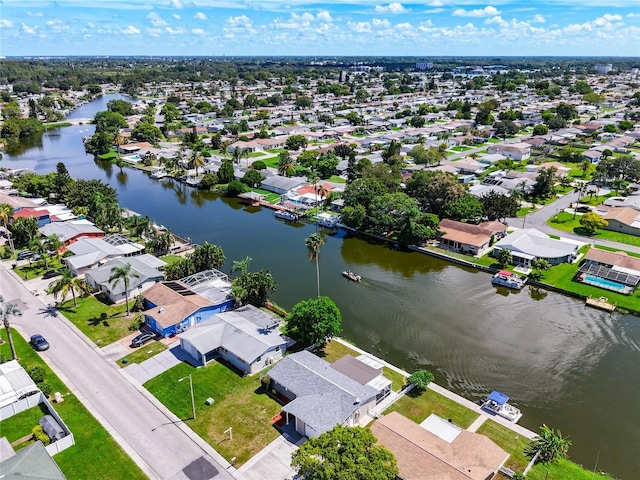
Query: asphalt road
[147,431]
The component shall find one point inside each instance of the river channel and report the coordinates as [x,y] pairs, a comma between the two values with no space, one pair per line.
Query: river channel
[571,367]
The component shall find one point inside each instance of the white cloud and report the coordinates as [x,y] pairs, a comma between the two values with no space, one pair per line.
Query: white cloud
[4,23]
[393,7]
[176,16]
[154,32]
[537,18]
[36,14]
[198,31]
[91,25]
[480,12]
[57,25]
[607,20]
[176,3]
[175,31]
[130,30]
[436,3]
[28,30]
[156,20]
[240,20]
[360,27]
[200,16]
[633,15]
[324,16]
[380,23]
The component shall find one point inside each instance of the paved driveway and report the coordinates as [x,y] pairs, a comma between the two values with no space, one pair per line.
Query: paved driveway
[154,366]
[274,461]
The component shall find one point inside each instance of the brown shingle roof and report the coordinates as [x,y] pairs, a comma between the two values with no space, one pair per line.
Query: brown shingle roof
[172,307]
[624,215]
[424,456]
[619,259]
[464,232]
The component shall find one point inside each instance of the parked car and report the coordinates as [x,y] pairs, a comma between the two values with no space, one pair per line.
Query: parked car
[35,258]
[143,338]
[25,254]
[51,274]
[39,343]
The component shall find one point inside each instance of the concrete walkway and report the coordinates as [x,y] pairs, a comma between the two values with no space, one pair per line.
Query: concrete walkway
[154,366]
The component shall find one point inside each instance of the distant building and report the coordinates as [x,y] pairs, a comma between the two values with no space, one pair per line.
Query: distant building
[603,68]
[422,66]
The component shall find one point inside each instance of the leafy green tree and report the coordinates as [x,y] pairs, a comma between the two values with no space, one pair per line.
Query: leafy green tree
[551,445]
[504,257]
[123,274]
[252,178]
[62,179]
[545,181]
[354,118]
[314,243]
[180,269]
[540,129]
[66,284]
[254,288]
[344,453]
[120,106]
[467,207]
[209,180]
[417,121]
[207,256]
[498,206]
[505,128]
[296,142]
[435,190]
[109,122]
[303,101]
[24,229]
[145,132]
[592,222]
[354,216]
[420,379]
[9,310]
[226,172]
[236,187]
[314,321]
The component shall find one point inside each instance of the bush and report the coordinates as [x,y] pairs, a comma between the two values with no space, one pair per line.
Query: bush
[136,323]
[37,374]
[138,304]
[259,165]
[235,188]
[38,434]
[45,388]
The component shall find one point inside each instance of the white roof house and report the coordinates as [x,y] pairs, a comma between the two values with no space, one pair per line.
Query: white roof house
[529,244]
[15,383]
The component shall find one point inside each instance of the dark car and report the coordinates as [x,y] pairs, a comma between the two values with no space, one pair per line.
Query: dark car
[51,274]
[39,343]
[141,339]
[25,254]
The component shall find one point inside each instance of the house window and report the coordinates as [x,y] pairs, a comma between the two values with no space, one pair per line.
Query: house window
[258,359]
[278,348]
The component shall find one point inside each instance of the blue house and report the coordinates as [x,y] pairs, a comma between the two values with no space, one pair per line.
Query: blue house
[174,306]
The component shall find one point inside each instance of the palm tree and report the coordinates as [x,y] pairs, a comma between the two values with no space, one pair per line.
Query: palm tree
[6,211]
[196,160]
[584,166]
[123,274]
[505,257]
[38,246]
[314,242]
[549,445]
[7,311]
[540,265]
[241,265]
[285,164]
[68,283]
[53,243]
[118,141]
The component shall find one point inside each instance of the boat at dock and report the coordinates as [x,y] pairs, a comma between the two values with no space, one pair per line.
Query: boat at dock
[158,172]
[601,303]
[508,279]
[354,277]
[497,403]
[286,215]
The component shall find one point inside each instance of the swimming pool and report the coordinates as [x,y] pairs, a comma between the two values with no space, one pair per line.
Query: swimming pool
[604,283]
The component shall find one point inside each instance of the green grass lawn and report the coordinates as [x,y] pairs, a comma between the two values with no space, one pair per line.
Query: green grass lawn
[21,424]
[104,324]
[460,148]
[142,353]
[171,259]
[110,155]
[270,196]
[336,179]
[419,407]
[333,351]
[271,162]
[256,154]
[397,379]
[239,403]
[94,448]
[515,444]
[564,221]
[37,268]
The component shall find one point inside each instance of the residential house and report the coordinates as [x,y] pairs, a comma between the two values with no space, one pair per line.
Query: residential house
[528,244]
[91,252]
[174,306]
[622,219]
[317,396]
[30,462]
[594,156]
[514,151]
[281,185]
[615,271]
[145,272]
[437,449]
[247,338]
[71,230]
[464,237]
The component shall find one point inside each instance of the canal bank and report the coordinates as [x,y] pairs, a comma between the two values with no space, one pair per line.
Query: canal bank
[560,363]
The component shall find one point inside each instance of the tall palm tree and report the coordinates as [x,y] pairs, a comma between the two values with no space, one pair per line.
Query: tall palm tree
[68,284]
[196,160]
[123,274]
[241,265]
[7,311]
[6,211]
[38,246]
[53,243]
[314,242]
[285,164]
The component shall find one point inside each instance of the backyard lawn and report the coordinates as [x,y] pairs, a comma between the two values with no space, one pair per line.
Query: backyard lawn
[419,407]
[94,448]
[104,324]
[171,258]
[514,444]
[240,403]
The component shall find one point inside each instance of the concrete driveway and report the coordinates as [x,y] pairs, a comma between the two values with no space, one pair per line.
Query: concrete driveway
[274,461]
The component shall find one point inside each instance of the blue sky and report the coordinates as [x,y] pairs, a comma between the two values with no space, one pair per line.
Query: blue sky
[305,27]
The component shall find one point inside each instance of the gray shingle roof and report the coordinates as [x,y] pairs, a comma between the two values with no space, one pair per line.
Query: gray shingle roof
[139,267]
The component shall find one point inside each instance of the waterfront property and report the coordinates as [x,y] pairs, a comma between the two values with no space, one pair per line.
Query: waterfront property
[464,237]
[615,271]
[247,337]
[504,278]
[528,244]
[71,230]
[498,404]
[318,396]
[438,447]
[89,253]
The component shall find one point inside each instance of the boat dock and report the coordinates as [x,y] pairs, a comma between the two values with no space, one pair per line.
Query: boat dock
[601,303]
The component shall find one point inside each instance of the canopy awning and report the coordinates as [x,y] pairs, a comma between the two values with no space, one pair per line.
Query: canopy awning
[498,397]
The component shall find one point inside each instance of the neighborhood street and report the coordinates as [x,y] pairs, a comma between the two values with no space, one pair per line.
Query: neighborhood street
[148,432]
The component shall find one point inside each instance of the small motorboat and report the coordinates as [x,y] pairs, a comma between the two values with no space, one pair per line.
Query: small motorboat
[286,215]
[351,276]
[508,279]
[497,404]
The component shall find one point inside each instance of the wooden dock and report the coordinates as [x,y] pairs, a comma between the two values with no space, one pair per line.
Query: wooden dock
[601,303]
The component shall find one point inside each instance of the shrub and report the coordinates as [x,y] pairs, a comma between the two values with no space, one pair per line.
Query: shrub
[37,373]
[138,304]
[136,323]
[45,388]
[235,188]
[259,165]
[38,434]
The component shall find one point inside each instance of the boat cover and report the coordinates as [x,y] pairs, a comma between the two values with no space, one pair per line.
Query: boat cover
[498,397]
[506,273]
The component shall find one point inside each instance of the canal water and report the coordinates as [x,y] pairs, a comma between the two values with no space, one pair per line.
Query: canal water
[565,365]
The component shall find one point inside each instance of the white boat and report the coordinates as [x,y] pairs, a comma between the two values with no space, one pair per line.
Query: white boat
[497,403]
[351,276]
[327,220]
[286,215]
[508,279]
[158,172]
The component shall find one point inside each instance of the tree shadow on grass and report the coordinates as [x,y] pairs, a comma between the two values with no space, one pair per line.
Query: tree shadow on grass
[583,232]
[414,392]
